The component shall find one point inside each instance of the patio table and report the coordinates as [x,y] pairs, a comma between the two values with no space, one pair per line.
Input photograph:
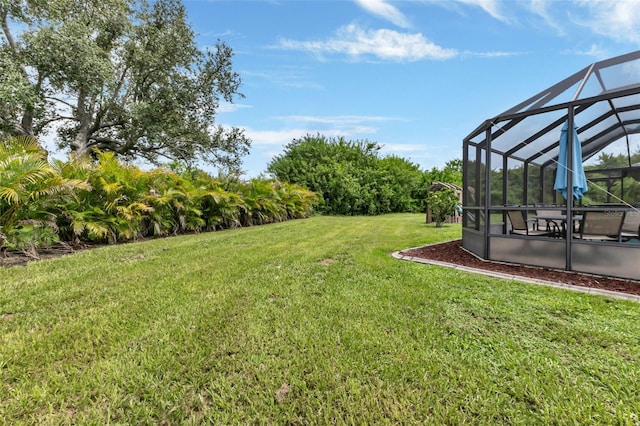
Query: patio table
[559,219]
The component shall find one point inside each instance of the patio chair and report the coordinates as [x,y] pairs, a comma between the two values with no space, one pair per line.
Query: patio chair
[549,212]
[631,225]
[522,226]
[602,226]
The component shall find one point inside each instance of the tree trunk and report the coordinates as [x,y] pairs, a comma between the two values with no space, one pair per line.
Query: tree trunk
[25,128]
[80,144]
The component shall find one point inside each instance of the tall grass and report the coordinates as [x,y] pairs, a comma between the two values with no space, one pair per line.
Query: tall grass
[305,322]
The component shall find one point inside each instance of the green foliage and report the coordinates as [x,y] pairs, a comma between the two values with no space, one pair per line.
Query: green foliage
[15,91]
[451,173]
[107,201]
[269,200]
[442,203]
[351,177]
[29,236]
[28,186]
[608,161]
[601,189]
[124,76]
[611,190]
[112,209]
[402,186]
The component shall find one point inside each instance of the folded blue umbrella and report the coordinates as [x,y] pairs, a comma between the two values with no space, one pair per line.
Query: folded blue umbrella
[579,178]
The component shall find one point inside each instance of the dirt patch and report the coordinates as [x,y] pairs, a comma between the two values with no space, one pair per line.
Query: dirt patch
[21,258]
[281,394]
[452,252]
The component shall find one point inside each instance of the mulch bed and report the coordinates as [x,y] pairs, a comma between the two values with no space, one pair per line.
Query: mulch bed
[452,252]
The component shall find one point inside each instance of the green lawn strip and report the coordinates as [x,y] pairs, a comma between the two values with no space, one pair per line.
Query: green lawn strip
[305,322]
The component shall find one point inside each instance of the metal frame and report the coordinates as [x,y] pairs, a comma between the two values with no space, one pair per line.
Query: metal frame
[605,102]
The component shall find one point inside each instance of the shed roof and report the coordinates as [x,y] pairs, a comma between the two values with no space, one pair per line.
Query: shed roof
[606,100]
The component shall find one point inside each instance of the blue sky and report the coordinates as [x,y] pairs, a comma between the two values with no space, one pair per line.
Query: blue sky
[415,76]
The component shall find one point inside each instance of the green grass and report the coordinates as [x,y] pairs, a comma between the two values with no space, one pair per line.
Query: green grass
[306,322]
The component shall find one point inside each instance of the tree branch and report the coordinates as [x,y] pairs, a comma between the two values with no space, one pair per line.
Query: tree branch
[103,141]
[102,110]
[111,124]
[12,43]
[120,83]
[7,32]
[44,123]
[73,107]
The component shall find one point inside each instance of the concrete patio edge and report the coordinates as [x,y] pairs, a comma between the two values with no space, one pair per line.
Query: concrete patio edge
[618,295]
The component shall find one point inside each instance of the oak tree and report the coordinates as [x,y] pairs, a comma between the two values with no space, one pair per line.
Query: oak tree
[118,75]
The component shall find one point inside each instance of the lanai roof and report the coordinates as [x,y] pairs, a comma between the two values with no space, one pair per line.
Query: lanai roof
[606,100]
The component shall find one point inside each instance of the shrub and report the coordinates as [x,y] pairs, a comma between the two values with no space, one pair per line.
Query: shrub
[350,176]
[442,203]
[29,185]
[107,201]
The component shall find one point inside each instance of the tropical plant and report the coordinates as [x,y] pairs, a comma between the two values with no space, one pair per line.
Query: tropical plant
[28,186]
[219,204]
[297,201]
[108,201]
[114,208]
[261,203]
[174,202]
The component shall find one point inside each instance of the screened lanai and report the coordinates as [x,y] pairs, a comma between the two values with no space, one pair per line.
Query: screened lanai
[512,212]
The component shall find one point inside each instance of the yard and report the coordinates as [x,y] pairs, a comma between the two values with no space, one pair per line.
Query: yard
[305,322]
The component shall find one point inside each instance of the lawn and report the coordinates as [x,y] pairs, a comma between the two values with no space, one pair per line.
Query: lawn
[306,322]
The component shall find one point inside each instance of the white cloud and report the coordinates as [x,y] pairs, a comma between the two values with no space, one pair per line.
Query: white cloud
[616,19]
[330,126]
[284,136]
[336,120]
[492,7]
[356,126]
[385,10]
[395,148]
[594,51]
[225,106]
[541,8]
[494,54]
[291,77]
[356,42]
[273,137]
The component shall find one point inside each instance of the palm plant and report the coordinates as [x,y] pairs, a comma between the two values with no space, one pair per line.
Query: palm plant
[175,204]
[262,203]
[296,200]
[114,208]
[28,186]
[220,204]
[80,216]
[220,209]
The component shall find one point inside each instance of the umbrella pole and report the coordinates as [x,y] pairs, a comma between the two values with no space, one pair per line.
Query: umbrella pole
[570,154]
